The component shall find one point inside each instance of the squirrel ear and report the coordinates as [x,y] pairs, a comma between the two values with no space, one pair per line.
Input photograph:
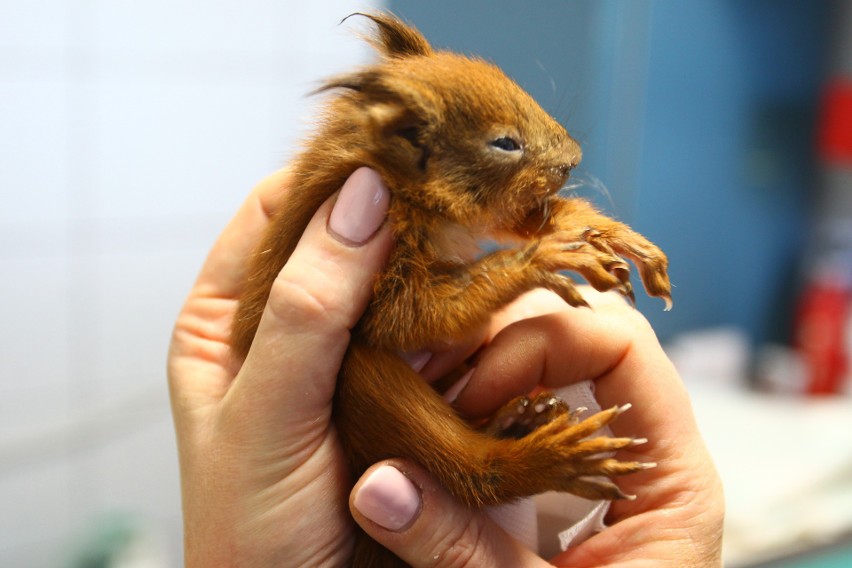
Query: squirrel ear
[395,38]
[392,117]
[387,107]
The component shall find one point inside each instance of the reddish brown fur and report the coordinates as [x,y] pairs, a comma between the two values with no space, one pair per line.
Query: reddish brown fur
[424,120]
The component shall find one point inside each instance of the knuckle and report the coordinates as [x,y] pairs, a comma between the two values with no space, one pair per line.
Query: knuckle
[463,547]
[292,300]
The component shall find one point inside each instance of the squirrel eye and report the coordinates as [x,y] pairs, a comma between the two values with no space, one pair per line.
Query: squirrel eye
[506,144]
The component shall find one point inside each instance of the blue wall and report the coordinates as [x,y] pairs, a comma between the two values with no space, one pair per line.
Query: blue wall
[695,115]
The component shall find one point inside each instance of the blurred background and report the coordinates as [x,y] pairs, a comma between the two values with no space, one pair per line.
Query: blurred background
[130,132]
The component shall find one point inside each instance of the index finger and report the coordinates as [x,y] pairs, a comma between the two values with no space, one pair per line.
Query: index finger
[224,269]
[613,345]
[543,342]
[540,341]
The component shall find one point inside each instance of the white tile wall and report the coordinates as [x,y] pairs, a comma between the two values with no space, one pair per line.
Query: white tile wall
[129,133]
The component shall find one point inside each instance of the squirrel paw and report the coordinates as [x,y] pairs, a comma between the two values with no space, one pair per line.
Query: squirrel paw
[602,268]
[582,464]
[521,415]
[652,263]
[598,254]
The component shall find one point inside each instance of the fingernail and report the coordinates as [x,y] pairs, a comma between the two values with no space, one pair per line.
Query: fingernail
[454,391]
[388,498]
[360,208]
[417,359]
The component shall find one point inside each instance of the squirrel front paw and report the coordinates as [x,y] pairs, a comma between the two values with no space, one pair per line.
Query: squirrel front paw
[599,255]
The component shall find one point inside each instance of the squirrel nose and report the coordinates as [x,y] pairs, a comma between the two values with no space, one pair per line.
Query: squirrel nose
[562,170]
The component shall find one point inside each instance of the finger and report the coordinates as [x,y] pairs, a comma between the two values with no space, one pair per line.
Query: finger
[613,345]
[290,371]
[224,269]
[662,413]
[401,507]
[551,350]
[434,362]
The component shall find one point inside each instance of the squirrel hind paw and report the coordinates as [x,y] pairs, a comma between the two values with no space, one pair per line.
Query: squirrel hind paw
[523,415]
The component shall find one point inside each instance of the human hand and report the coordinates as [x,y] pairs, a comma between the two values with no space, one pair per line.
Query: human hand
[264,481]
[262,473]
[538,341]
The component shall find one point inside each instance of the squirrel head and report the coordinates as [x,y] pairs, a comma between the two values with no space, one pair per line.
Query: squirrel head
[453,134]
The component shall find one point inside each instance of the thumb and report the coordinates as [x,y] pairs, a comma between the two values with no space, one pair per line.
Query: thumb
[401,507]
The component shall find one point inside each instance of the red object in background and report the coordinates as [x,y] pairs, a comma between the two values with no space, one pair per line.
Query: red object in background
[820,336]
[835,128]
[822,320]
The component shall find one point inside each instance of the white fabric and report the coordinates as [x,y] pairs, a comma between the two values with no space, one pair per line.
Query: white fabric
[519,519]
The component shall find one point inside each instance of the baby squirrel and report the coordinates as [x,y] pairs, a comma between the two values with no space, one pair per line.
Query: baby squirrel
[466,154]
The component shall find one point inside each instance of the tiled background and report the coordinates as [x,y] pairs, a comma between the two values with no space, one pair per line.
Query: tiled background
[129,132]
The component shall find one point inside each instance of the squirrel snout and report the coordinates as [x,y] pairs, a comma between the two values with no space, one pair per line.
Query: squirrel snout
[561,172]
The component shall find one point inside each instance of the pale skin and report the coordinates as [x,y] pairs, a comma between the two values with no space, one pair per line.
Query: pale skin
[264,482]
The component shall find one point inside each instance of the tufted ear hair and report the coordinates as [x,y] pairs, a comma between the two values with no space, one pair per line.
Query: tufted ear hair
[393,37]
[384,98]
[390,106]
